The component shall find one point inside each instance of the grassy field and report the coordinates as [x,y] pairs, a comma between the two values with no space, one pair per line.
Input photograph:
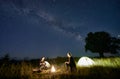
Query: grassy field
[104,68]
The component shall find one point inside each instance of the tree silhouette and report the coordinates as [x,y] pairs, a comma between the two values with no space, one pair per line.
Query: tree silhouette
[102,42]
[6,58]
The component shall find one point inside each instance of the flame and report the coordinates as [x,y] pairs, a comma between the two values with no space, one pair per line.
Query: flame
[53,69]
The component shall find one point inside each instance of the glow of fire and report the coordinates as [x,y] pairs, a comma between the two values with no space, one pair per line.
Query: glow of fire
[85,61]
[53,69]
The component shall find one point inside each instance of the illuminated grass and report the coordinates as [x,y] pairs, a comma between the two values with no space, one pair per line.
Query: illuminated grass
[104,68]
[107,62]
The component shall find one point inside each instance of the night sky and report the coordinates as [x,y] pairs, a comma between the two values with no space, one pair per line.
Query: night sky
[51,28]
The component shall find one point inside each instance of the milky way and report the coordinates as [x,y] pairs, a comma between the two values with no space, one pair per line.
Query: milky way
[35,28]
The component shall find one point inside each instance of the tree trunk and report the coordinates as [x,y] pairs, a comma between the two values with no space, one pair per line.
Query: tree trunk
[101,54]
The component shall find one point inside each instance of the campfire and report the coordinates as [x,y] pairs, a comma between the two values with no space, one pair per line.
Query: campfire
[53,69]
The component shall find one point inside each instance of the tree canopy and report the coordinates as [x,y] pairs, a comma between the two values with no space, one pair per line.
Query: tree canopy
[102,42]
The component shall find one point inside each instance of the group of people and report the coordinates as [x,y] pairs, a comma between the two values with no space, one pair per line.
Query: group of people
[70,64]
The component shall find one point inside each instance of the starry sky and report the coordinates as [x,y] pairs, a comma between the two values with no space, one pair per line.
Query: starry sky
[51,28]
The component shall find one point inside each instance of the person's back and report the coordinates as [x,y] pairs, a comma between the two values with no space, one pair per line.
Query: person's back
[72,64]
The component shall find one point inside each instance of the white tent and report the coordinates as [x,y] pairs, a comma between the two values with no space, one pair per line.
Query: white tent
[85,61]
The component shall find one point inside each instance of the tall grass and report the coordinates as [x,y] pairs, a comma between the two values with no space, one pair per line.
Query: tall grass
[107,62]
[15,71]
[104,68]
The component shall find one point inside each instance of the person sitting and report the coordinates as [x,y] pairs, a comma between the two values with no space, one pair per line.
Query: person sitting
[70,63]
[44,65]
